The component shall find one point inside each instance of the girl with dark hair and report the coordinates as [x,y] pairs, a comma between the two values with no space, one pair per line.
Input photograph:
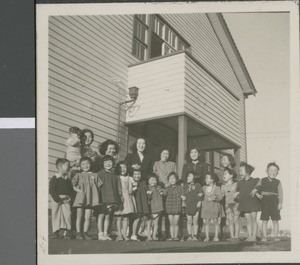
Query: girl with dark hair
[127,200]
[211,206]
[163,167]
[155,196]
[196,163]
[247,204]
[230,204]
[87,185]
[139,158]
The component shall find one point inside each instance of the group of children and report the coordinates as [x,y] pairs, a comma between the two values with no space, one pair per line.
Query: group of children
[123,192]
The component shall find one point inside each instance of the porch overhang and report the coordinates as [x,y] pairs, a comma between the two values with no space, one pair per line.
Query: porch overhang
[178,84]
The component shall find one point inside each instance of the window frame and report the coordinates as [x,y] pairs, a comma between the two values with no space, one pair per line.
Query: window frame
[151,22]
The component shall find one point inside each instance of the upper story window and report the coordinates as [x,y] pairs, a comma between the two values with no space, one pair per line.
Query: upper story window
[153,37]
[140,29]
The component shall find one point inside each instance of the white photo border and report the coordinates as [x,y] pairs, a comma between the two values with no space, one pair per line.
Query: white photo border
[43,11]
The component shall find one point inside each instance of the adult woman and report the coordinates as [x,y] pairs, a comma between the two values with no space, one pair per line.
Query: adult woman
[196,163]
[109,147]
[163,167]
[139,159]
[86,140]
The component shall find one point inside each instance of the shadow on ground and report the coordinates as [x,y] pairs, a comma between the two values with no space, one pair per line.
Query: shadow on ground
[61,246]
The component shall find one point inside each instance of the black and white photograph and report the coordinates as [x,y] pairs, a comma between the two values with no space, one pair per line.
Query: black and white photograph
[166,132]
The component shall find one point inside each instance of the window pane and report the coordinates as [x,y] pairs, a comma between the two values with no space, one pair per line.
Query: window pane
[140,31]
[167,33]
[142,18]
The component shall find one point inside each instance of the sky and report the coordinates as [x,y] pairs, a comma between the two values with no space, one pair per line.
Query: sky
[263,42]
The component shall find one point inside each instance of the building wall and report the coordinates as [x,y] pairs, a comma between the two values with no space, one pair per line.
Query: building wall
[205,46]
[207,49]
[88,70]
[88,67]
[161,84]
[207,101]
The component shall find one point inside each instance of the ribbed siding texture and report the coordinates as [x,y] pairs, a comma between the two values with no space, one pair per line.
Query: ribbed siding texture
[88,65]
[206,48]
[161,84]
[211,104]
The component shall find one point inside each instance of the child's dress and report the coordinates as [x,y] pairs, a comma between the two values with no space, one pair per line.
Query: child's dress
[73,151]
[111,189]
[231,206]
[156,200]
[173,199]
[141,198]
[212,209]
[89,184]
[191,191]
[247,203]
[129,204]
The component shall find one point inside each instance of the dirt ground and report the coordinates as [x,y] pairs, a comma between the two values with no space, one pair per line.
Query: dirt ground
[64,246]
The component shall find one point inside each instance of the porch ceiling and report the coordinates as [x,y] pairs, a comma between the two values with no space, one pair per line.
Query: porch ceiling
[193,128]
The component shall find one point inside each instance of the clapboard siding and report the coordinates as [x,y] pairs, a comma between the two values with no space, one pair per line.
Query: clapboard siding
[164,91]
[206,48]
[211,103]
[88,70]
[161,84]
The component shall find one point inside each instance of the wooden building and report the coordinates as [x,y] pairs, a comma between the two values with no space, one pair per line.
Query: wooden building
[191,78]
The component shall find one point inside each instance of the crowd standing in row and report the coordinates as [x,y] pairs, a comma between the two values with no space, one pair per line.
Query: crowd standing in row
[143,195]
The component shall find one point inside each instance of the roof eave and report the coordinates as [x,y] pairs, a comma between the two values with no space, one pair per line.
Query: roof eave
[221,29]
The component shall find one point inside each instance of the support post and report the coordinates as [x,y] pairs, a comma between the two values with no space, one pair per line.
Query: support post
[237,159]
[182,142]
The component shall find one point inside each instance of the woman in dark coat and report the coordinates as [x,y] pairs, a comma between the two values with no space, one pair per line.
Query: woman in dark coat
[139,159]
[195,163]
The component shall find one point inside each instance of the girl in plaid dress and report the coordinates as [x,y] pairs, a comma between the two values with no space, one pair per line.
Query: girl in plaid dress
[174,199]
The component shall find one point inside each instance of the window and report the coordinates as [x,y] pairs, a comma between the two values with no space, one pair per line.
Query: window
[157,26]
[153,37]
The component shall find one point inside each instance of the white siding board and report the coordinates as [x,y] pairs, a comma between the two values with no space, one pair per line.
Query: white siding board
[161,84]
[79,97]
[66,78]
[215,113]
[197,29]
[78,62]
[88,60]
[84,33]
[69,105]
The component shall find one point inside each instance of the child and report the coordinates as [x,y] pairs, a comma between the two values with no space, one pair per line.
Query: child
[128,202]
[86,184]
[211,206]
[155,193]
[247,204]
[174,198]
[193,193]
[138,188]
[73,147]
[111,193]
[61,191]
[232,213]
[272,197]
[196,163]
